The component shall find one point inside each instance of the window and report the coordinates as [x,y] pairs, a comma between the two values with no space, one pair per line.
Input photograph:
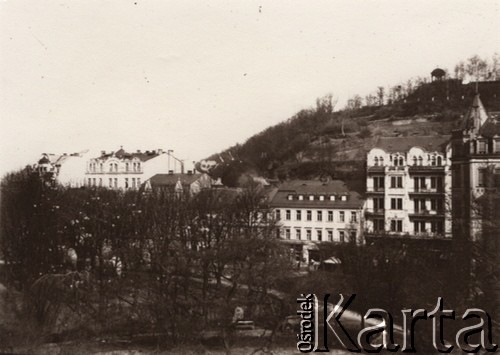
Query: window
[433,160]
[396,182]
[89,181]
[321,198]
[126,166]
[126,183]
[439,161]
[319,216]
[378,183]
[298,214]
[419,204]
[437,227]
[436,182]
[378,225]
[288,215]
[332,198]
[497,145]
[352,236]
[354,217]
[342,216]
[342,236]
[419,183]
[278,215]
[396,225]
[319,235]
[116,183]
[330,235]
[415,161]
[287,233]
[375,161]
[436,205]
[100,182]
[343,198]
[110,182]
[101,167]
[301,197]
[133,183]
[309,215]
[481,147]
[298,233]
[481,177]
[330,216]
[138,182]
[396,203]
[419,226]
[308,234]
[378,203]
[290,197]
[311,198]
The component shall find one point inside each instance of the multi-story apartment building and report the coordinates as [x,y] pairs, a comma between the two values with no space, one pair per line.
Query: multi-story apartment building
[408,187]
[122,170]
[63,169]
[310,212]
[475,169]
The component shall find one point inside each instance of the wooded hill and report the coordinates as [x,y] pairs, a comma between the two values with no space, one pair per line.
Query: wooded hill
[321,142]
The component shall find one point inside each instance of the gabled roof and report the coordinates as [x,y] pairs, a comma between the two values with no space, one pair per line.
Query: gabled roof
[159,180]
[476,116]
[404,144]
[316,188]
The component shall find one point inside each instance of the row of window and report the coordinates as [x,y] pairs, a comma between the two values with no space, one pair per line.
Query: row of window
[397,160]
[291,197]
[420,204]
[319,216]
[396,225]
[320,235]
[113,182]
[420,182]
[113,167]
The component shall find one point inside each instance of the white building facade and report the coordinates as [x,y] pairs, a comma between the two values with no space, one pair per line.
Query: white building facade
[123,170]
[67,169]
[409,187]
[310,212]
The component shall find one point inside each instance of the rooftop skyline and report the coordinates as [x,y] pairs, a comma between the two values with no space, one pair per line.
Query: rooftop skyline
[200,77]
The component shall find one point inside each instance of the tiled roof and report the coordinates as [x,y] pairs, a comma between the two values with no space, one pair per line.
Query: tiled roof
[476,116]
[404,144]
[171,179]
[316,188]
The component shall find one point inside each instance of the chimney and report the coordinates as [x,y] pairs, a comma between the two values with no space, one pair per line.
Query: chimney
[139,151]
[160,151]
[170,172]
[190,172]
[103,152]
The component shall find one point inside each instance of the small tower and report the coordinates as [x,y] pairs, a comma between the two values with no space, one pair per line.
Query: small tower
[438,74]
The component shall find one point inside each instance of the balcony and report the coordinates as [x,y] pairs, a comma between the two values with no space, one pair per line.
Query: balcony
[426,191]
[429,169]
[375,190]
[375,212]
[427,214]
[376,169]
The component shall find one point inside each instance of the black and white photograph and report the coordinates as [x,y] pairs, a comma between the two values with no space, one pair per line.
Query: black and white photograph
[249,177]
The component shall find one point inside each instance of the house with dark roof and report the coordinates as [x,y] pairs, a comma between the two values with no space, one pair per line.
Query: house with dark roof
[128,170]
[475,168]
[309,212]
[180,183]
[408,188]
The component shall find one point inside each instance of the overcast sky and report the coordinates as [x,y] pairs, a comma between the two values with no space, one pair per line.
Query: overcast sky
[200,76]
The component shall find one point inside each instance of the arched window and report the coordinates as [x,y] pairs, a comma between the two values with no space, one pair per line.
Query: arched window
[414,160]
[381,159]
[396,161]
[401,161]
[439,161]
[376,161]
[433,160]
[420,160]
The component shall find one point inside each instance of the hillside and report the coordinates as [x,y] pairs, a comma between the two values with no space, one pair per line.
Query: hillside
[311,143]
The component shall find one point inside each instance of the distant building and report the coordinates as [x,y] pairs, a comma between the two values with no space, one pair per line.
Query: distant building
[438,74]
[476,167]
[310,212]
[63,169]
[180,183]
[123,170]
[409,187]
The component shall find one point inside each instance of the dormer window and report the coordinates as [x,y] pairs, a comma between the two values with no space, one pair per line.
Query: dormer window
[321,198]
[343,198]
[301,197]
[381,161]
[311,197]
[481,147]
[290,197]
[332,198]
